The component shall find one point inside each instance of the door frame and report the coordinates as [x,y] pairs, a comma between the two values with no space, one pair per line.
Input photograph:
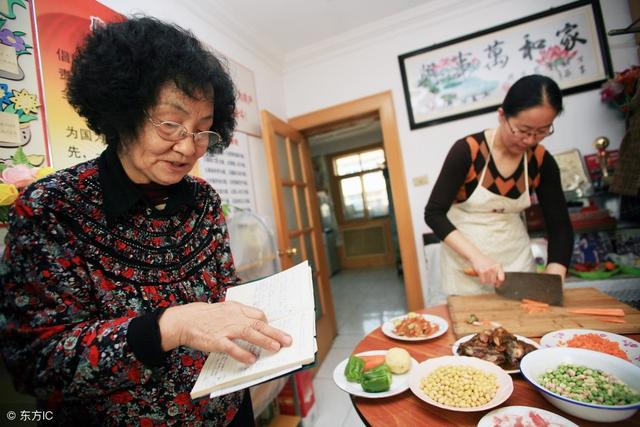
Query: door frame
[382,105]
[272,126]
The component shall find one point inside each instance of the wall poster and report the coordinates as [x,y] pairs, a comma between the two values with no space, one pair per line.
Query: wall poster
[230,175]
[62,25]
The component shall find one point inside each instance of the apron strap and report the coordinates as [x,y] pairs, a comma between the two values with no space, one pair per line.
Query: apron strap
[484,169]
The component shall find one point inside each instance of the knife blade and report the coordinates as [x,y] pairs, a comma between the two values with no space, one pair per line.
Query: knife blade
[541,287]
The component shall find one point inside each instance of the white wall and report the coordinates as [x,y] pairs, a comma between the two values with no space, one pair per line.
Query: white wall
[268,77]
[373,67]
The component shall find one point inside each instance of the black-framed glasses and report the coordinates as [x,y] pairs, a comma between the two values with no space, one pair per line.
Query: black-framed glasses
[172,131]
[536,134]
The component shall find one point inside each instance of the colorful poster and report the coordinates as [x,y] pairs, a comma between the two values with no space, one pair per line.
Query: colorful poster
[229,174]
[22,125]
[62,25]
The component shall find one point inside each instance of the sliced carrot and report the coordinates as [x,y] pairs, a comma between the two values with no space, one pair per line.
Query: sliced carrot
[618,312]
[469,271]
[534,308]
[534,302]
[597,343]
[611,319]
[371,362]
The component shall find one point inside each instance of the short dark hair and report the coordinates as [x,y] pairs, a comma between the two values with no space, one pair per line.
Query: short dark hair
[119,69]
[532,91]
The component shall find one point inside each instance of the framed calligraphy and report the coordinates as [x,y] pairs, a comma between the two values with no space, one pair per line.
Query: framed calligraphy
[470,75]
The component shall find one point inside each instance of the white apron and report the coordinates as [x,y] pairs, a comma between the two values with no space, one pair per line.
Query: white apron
[494,225]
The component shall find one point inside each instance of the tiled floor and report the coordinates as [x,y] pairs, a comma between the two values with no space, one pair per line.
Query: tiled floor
[363,300]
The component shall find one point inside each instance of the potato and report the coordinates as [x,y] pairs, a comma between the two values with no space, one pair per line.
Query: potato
[398,360]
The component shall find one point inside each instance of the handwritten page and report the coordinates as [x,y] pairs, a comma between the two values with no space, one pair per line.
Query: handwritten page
[287,300]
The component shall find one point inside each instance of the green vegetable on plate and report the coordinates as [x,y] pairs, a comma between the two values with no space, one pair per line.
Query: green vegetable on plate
[354,369]
[377,379]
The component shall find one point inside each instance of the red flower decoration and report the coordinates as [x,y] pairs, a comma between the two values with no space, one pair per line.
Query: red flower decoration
[618,91]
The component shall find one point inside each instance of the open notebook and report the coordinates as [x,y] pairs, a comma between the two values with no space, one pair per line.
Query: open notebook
[287,300]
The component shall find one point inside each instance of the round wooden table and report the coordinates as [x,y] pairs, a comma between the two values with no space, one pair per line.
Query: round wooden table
[406,409]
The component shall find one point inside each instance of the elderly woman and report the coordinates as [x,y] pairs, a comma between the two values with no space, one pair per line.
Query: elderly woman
[485,184]
[115,270]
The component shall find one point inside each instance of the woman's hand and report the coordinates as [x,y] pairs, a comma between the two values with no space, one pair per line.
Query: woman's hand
[489,271]
[555,268]
[213,327]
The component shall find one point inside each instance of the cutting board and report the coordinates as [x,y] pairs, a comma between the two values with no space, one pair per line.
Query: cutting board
[514,319]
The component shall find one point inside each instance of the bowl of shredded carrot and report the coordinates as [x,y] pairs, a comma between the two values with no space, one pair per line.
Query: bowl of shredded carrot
[590,339]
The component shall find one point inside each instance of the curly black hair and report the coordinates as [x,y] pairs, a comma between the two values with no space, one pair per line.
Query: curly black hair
[119,69]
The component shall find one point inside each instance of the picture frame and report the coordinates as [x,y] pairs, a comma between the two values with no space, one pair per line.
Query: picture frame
[573,172]
[470,75]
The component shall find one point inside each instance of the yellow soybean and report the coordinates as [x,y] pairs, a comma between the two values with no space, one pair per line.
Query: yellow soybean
[460,386]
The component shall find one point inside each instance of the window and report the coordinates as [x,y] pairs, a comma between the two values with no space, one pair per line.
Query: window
[363,189]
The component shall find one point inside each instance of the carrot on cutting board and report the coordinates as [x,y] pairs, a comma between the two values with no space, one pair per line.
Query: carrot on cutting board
[371,362]
[534,302]
[611,319]
[616,312]
[534,308]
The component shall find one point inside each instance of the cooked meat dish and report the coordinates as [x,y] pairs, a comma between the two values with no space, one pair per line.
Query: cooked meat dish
[498,346]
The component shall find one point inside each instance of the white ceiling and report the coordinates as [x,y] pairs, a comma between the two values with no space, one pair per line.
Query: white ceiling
[285,26]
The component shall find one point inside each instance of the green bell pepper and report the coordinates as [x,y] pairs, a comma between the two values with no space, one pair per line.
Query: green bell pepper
[353,370]
[377,379]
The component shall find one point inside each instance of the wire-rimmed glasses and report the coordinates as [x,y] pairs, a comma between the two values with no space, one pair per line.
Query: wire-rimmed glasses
[536,134]
[172,131]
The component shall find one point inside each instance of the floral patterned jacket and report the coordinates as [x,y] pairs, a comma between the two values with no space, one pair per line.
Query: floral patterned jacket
[86,265]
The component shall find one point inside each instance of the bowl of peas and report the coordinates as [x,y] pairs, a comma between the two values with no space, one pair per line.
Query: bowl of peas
[587,384]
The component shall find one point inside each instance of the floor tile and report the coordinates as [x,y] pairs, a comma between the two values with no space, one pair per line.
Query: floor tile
[353,419]
[333,404]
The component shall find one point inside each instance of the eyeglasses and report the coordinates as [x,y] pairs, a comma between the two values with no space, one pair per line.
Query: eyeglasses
[172,131]
[537,134]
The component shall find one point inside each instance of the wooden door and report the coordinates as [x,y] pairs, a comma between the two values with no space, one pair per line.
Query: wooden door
[297,216]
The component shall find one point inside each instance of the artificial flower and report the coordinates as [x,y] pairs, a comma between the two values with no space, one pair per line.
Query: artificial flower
[618,91]
[8,194]
[18,175]
[42,172]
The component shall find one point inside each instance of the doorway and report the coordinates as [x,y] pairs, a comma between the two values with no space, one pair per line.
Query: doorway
[295,200]
[380,106]
[354,195]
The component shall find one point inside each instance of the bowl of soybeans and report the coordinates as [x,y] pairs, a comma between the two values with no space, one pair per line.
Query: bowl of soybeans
[460,383]
[587,384]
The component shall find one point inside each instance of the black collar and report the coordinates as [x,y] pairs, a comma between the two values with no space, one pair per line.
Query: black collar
[121,194]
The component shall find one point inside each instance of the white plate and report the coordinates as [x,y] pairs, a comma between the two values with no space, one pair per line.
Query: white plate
[399,383]
[505,384]
[509,416]
[443,325]
[560,338]
[466,338]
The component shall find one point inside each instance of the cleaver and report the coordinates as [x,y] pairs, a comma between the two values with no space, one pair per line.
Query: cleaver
[541,287]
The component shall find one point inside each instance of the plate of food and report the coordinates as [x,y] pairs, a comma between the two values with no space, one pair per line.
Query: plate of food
[590,339]
[523,416]
[480,385]
[594,271]
[415,327]
[629,263]
[376,373]
[497,346]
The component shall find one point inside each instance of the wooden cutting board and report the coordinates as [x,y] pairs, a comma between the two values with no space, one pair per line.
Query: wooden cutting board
[515,320]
